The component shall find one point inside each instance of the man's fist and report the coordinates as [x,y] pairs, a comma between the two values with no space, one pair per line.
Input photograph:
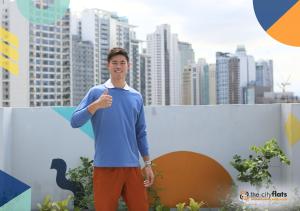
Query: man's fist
[104,101]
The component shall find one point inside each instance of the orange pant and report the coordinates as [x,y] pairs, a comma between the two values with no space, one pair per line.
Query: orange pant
[111,183]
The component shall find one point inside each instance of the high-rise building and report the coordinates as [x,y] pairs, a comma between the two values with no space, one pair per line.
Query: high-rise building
[204,81]
[222,77]
[44,77]
[191,87]
[158,47]
[264,73]
[186,56]
[175,72]
[247,71]
[134,75]
[163,48]
[234,80]
[145,76]
[107,30]
[82,68]
[227,78]
[264,80]
[212,84]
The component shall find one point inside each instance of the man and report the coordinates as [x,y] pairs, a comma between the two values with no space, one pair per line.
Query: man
[117,115]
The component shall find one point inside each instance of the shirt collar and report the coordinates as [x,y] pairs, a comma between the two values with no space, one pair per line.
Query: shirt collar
[108,84]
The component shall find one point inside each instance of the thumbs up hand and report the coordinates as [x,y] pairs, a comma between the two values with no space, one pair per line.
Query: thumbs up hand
[104,101]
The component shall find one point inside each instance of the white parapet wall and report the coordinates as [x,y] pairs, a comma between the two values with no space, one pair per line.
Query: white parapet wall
[31,137]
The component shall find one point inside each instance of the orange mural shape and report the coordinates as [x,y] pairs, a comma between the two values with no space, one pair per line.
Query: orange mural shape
[191,175]
[287,29]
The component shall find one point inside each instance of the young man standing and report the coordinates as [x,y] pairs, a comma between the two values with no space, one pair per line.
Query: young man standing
[117,115]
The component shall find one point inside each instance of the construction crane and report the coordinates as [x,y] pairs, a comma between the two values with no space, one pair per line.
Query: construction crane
[283,85]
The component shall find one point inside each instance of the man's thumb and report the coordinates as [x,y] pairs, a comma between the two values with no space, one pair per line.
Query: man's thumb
[105,92]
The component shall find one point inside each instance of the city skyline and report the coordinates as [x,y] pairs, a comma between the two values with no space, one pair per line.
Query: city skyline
[209,27]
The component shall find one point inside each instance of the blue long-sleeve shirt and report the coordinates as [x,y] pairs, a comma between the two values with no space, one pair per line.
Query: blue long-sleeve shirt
[120,130]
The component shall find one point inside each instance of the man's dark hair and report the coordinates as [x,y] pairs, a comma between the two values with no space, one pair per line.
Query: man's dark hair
[117,51]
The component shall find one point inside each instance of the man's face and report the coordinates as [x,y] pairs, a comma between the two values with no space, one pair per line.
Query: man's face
[118,67]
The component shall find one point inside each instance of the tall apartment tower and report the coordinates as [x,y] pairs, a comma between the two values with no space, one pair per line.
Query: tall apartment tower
[227,78]
[145,77]
[264,73]
[44,77]
[234,80]
[162,46]
[106,30]
[158,47]
[134,74]
[212,84]
[247,72]
[82,68]
[191,87]
[186,57]
[204,81]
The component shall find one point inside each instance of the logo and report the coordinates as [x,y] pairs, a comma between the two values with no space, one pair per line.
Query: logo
[47,14]
[280,19]
[244,195]
[9,55]
[265,197]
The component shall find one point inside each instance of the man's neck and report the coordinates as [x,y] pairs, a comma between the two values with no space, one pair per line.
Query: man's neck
[118,83]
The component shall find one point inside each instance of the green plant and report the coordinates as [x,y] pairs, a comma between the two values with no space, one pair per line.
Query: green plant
[180,206]
[255,169]
[122,205]
[154,190]
[161,208]
[195,206]
[48,205]
[84,175]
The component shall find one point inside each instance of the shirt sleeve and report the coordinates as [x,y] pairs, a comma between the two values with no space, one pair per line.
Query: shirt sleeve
[141,133]
[81,114]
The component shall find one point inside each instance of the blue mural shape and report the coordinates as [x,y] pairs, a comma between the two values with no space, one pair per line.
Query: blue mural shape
[11,188]
[270,11]
[66,113]
[75,187]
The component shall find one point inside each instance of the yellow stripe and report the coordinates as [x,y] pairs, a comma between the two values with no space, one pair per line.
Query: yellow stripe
[292,129]
[9,37]
[9,51]
[9,65]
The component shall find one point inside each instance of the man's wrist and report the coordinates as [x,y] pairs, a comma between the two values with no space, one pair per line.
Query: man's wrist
[93,107]
[148,163]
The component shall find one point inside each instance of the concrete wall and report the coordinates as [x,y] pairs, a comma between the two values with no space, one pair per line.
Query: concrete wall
[31,137]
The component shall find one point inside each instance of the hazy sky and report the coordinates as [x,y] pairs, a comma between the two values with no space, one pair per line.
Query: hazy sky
[210,26]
